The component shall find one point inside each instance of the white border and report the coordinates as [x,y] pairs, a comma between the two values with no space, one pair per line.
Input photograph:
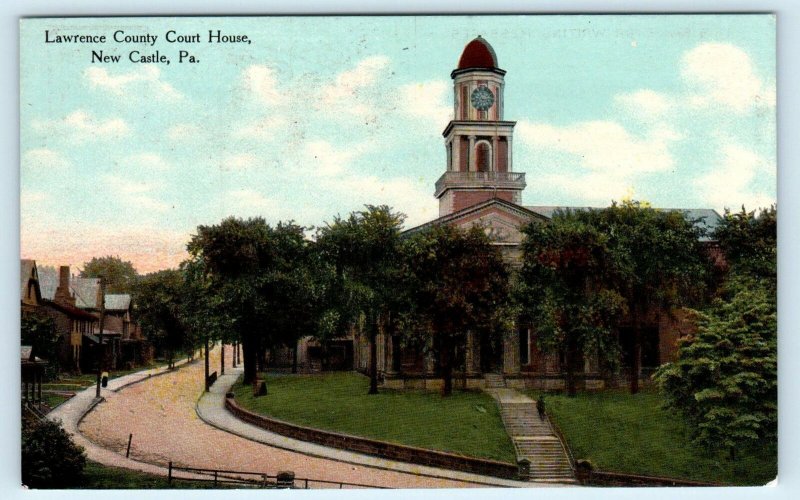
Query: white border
[789,270]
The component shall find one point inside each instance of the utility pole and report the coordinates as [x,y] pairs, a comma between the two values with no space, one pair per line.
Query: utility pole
[100,349]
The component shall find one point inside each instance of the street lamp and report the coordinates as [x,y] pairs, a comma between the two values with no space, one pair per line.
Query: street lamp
[102,326]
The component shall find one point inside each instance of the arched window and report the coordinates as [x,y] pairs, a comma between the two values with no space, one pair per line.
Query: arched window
[483,157]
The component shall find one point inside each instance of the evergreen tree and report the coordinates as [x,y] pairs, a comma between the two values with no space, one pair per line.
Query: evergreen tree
[725,379]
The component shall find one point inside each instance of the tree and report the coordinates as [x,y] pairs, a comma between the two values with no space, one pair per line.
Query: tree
[459,282]
[38,331]
[252,267]
[657,260]
[364,254]
[202,310]
[564,288]
[159,303]
[725,379]
[120,276]
[50,459]
[749,242]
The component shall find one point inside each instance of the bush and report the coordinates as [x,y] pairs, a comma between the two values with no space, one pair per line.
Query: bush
[49,457]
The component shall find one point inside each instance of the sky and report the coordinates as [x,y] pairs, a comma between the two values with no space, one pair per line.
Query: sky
[318,116]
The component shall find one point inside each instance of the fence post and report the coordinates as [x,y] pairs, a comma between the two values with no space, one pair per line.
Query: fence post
[215,478]
[128,453]
[169,476]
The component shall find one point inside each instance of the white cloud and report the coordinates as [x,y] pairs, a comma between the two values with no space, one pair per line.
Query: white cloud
[427,100]
[723,74]
[356,92]
[182,132]
[323,159]
[119,84]
[250,198]
[349,83]
[147,161]
[602,146]
[412,198]
[593,189]
[134,193]
[730,182]
[241,161]
[265,129]
[44,159]
[645,104]
[80,126]
[261,81]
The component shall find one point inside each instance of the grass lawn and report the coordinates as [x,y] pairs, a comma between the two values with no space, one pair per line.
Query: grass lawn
[467,423]
[84,380]
[618,432]
[98,476]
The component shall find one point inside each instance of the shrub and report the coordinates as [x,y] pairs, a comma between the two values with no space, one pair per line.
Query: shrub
[50,459]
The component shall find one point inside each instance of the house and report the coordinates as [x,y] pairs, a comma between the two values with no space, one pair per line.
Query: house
[77,300]
[480,187]
[70,322]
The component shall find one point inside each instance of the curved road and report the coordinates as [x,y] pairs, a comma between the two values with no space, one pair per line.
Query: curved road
[160,413]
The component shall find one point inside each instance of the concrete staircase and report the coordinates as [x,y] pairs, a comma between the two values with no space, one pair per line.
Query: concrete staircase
[533,438]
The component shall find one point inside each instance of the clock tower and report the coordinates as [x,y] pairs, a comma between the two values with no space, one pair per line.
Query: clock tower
[478,140]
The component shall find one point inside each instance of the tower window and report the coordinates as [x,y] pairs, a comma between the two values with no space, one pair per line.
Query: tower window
[483,157]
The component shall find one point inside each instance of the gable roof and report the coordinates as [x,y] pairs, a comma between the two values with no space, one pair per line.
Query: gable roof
[71,311]
[503,205]
[83,289]
[28,272]
[117,301]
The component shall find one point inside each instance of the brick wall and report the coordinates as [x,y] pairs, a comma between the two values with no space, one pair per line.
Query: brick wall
[373,447]
[464,199]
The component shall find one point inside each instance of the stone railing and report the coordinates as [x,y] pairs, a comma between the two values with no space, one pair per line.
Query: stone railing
[383,449]
[500,180]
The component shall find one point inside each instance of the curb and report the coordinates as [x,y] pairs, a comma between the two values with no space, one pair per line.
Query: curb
[491,482]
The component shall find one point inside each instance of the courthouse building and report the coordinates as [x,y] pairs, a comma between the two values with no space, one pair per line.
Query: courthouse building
[482,185]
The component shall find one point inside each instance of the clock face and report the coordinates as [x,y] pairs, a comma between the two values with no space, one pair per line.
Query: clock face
[482,98]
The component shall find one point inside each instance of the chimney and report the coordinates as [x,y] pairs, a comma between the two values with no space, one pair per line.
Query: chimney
[100,296]
[63,296]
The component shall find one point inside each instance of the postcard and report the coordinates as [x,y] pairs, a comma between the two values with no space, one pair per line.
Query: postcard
[398,251]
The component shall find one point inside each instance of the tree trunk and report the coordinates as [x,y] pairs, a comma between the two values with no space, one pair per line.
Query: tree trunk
[373,357]
[294,359]
[447,370]
[222,357]
[206,383]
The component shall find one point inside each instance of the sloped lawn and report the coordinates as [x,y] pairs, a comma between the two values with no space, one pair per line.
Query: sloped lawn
[467,422]
[619,432]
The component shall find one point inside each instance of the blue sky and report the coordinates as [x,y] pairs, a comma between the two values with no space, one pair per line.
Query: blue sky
[319,116]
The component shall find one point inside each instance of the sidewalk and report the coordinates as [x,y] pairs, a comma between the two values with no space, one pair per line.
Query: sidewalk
[71,412]
[211,409]
[161,413]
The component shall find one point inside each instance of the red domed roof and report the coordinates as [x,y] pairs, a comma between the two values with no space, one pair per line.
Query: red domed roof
[478,54]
